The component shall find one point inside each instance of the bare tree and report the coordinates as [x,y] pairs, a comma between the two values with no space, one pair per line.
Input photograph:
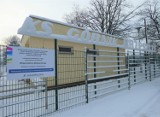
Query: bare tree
[77,17]
[108,16]
[151,12]
[12,40]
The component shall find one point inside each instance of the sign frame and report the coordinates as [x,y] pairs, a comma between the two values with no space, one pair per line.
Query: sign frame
[29,63]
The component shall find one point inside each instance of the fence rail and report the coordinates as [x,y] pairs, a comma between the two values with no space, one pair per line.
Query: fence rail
[82,76]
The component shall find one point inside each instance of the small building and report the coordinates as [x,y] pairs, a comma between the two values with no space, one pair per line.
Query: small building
[39,32]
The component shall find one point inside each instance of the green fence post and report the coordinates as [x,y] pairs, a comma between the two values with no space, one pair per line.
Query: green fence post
[86,75]
[145,58]
[129,79]
[94,59]
[150,68]
[118,63]
[134,65]
[56,76]
[154,56]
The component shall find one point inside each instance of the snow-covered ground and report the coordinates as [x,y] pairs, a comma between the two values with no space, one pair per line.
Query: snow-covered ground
[143,100]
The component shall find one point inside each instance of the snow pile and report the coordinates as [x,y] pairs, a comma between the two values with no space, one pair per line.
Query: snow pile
[142,100]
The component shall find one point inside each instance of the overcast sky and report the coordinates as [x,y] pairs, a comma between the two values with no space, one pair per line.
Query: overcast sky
[14,12]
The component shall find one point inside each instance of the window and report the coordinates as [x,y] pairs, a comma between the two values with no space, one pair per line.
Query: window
[92,52]
[65,50]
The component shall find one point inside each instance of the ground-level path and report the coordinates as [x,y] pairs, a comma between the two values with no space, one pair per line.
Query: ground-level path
[142,100]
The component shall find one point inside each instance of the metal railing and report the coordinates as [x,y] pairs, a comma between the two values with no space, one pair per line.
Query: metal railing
[82,76]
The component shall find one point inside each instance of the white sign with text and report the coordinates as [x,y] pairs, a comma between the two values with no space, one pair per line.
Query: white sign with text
[24,63]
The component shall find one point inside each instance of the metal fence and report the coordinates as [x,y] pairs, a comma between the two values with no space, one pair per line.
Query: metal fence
[107,72]
[81,77]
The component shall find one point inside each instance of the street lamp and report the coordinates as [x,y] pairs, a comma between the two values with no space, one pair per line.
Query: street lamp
[138,30]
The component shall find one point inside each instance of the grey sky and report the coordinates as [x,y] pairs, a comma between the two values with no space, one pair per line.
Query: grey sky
[13,12]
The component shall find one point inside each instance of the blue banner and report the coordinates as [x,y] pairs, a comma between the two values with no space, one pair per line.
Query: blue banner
[30,70]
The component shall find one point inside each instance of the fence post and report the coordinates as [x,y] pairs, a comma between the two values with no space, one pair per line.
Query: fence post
[86,75]
[46,95]
[150,68]
[118,63]
[56,75]
[94,59]
[129,79]
[158,60]
[145,58]
[134,66]
[154,56]
[141,62]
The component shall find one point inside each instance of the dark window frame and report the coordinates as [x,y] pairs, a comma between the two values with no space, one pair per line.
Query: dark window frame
[65,50]
[92,52]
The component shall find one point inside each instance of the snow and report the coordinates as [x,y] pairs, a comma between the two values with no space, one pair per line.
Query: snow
[28,26]
[70,25]
[142,100]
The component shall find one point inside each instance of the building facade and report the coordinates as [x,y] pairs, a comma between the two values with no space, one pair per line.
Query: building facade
[71,42]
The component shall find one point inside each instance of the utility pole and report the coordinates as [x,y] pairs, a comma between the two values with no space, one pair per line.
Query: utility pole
[138,30]
[145,31]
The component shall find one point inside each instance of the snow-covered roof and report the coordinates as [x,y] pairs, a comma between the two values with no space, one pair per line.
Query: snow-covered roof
[48,29]
[73,26]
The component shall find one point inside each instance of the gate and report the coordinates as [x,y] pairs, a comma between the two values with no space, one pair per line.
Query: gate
[106,72]
[111,71]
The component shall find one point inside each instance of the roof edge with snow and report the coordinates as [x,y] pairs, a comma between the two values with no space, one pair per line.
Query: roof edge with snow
[73,26]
